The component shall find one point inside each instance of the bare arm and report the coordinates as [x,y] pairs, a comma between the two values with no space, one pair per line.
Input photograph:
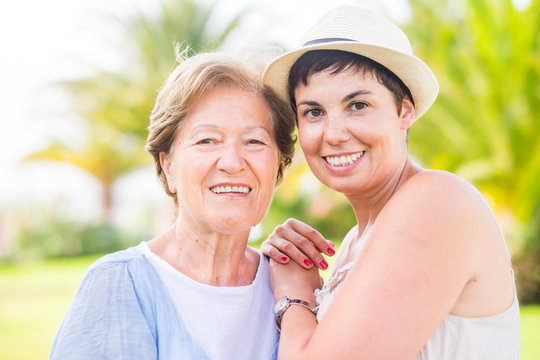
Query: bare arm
[417,261]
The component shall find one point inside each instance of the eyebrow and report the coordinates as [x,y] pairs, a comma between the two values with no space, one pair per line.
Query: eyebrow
[308,103]
[345,99]
[355,94]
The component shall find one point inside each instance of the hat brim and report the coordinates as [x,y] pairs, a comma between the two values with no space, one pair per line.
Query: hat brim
[414,73]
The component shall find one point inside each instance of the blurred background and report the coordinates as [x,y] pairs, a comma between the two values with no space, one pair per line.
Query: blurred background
[78,79]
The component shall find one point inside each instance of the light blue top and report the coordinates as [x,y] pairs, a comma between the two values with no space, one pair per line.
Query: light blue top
[122,310]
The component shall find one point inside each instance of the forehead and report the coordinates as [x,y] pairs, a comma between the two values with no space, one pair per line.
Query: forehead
[328,82]
[226,106]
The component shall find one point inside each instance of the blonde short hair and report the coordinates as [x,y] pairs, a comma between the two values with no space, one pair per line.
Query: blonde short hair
[192,79]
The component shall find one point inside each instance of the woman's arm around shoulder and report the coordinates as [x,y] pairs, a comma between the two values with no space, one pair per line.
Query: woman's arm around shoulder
[421,254]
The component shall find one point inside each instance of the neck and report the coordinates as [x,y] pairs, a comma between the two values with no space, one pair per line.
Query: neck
[207,257]
[367,206]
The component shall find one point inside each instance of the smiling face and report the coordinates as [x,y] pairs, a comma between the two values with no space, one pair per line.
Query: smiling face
[350,131]
[224,161]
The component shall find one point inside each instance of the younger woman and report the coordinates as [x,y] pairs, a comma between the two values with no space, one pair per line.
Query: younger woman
[425,273]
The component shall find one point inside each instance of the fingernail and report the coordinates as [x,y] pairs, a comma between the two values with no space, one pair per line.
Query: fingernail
[307,262]
[330,251]
[284,258]
[323,264]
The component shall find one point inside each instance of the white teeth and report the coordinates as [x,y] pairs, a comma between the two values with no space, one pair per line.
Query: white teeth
[230,189]
[343,160]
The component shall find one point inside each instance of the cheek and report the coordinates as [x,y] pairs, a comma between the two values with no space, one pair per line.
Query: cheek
[192,167]
[372,133]
[308,139]
[267,183]
[272,161]
[266,169]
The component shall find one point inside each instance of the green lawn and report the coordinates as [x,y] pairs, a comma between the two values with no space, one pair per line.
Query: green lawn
[34,297]
[33,300]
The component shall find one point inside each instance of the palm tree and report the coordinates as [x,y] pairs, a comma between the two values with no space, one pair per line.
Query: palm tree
[117,105]
[484,124]
[125,99]
[107,155]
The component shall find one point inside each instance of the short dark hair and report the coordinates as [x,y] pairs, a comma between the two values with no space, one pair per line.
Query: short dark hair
[315,61]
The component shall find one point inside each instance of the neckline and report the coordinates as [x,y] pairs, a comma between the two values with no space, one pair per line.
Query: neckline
[335,280]
[145,249]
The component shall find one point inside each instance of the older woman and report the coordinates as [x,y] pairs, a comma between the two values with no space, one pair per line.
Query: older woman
[220,142]
[425,273]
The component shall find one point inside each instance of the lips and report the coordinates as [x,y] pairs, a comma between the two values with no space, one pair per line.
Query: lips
[343,160]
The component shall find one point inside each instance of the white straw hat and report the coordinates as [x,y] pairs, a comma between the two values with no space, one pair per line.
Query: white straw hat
[364,32]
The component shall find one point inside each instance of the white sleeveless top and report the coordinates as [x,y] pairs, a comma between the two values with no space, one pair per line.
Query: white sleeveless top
[492,337]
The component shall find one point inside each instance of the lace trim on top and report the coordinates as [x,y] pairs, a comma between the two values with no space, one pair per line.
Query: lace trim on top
[332,283]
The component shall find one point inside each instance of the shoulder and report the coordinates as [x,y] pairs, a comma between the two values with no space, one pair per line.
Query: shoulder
[443,208]
[442,191]
[261,264]
[119,257]
[441,182]
[112,306]
[127,260]
[123,272]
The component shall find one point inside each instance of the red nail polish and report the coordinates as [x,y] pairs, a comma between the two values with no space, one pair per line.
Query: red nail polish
[323,264]
[330,251]
[307,262]
[284,258]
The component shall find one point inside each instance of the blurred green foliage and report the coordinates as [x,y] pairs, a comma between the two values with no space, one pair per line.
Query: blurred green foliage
[484,125]
[48,233]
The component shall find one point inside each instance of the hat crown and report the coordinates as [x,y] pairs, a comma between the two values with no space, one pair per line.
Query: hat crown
[341,24]
[363,32]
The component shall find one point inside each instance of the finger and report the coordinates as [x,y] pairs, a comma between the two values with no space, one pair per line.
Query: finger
[273,253]
[288,248]
[298,248]
[308,232]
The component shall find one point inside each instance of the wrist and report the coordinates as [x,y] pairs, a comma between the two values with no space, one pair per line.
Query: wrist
[286,302]
[295,293]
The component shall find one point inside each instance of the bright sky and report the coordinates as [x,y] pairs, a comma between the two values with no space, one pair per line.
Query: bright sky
[43,42]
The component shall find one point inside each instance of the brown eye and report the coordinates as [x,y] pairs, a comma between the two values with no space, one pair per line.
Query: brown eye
[357,106]
[313,113]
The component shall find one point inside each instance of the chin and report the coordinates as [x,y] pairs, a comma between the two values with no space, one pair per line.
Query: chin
[345,188]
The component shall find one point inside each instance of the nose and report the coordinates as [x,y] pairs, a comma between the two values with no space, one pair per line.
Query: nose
[335,130]
[231,159]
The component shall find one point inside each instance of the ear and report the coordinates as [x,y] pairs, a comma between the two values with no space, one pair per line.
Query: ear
[168,169]
[281,158]
[407,114]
